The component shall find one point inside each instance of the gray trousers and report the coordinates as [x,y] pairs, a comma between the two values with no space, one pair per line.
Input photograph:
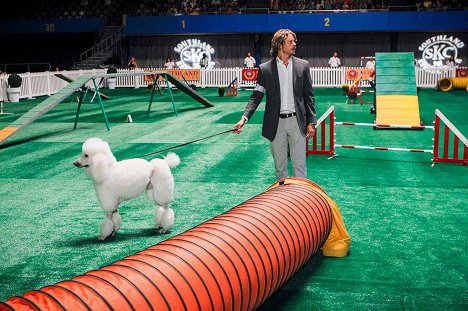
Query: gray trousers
[289,135]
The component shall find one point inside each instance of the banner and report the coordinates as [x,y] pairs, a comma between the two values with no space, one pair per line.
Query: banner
[180,74]
[358,73]
[461,72]
[249,74]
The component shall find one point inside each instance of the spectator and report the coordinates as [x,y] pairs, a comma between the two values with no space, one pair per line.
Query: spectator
[132,64]
[334,61]
[427,4]
[249,61]
[451,61]
[169,64]
[203,61]
[370,63]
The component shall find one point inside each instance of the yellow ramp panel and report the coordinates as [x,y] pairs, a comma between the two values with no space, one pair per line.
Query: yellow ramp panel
[398,110]
[397,100]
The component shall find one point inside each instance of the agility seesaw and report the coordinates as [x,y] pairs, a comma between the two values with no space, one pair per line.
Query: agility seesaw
[77,84]
[181,86]
[234,261]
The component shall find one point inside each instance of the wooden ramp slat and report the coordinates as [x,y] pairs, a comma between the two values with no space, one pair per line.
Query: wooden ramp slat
[396,93]
[398,102]
[392,113]
[397,79]
[394,56]
[406,63]
[397,121]
[403,88]
[395,71]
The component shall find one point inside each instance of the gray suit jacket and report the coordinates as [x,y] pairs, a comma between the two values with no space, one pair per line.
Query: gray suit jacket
[268,82]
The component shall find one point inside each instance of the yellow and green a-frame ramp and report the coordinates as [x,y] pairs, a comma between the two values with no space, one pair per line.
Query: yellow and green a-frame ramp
[396,93]
[79,84]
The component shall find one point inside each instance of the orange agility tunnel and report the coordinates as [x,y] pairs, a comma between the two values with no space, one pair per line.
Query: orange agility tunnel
[234,261]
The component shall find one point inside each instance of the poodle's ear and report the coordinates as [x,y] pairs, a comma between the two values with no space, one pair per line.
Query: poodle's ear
[99,167]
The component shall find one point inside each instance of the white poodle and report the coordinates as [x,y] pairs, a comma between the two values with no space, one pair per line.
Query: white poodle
[118,181]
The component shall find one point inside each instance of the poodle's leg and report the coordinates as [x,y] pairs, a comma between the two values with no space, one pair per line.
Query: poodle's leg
[107,227]
[167,220]
[117,220]
[150,195]
[158,213]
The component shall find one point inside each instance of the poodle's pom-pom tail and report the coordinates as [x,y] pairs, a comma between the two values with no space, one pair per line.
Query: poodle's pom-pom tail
[172,159]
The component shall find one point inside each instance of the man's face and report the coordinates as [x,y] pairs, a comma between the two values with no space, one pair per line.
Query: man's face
[289,45]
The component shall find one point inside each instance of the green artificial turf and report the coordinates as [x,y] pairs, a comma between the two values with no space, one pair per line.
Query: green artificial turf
[407,220]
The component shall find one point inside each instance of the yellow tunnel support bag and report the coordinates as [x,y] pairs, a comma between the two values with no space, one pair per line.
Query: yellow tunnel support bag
[338,242]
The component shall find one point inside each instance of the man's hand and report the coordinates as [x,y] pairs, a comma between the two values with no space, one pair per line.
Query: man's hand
[238,126]
[310,130]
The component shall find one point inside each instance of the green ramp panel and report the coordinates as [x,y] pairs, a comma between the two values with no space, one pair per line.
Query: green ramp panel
[42,108]
[395,74]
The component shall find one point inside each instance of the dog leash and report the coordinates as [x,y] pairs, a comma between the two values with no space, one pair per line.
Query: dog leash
[190,142]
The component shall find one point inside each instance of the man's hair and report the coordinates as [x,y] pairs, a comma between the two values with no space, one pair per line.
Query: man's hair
[279,38]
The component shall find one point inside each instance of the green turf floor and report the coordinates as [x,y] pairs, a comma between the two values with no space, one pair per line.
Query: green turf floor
[407,220]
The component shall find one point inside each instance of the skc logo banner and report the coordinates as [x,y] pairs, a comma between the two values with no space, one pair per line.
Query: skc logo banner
[191,51]
[438,49]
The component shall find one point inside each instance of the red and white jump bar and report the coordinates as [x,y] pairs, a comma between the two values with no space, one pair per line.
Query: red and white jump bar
[400,126]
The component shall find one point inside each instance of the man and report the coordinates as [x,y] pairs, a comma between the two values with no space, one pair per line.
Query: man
[249,61]
[290,104]
[334,61]
[370,63]
[203,61]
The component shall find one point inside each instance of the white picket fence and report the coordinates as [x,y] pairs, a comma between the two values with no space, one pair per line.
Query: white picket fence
[46,83]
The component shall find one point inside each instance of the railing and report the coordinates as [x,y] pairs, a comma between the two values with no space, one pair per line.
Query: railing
[46,83]
[25,67]
[430,78]
[101,50]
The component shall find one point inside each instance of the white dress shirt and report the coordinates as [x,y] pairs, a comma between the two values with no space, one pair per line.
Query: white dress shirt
[370,64]
[334,62]
[285,75]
